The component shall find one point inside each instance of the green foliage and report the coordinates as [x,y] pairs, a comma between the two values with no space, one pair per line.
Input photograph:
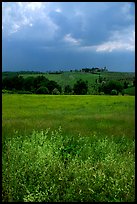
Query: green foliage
[13,82]
[126,85]
[80,87]
[134,81]
[111,85]
[50,166]
[94,70]
[68,89]
[28,83]
[44,79]
[130,91]
[52,85]
[42,90]
[92,159]
[123,92]
[7,91]
[40,81]
[55,91]
[38,84]
[114,92]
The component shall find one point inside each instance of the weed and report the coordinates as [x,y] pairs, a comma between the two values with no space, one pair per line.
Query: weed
[50,166]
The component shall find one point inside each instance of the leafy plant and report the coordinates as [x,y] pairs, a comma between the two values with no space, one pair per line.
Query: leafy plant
[42,90]
[114,92]
[49,166]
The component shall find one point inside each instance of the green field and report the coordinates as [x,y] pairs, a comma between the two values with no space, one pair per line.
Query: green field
[87,154]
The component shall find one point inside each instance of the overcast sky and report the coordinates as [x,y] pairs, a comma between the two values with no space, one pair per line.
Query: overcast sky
[44,36]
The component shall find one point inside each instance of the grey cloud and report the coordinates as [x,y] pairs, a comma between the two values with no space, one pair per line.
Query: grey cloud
[37,37]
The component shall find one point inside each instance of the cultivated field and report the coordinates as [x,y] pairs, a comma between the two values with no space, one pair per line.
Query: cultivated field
[68,148]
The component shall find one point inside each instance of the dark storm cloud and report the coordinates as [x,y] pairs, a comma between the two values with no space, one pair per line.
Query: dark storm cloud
[53,35]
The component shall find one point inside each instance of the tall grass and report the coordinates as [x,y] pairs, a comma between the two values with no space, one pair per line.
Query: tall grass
[51,166]
[107,115]
[90,159]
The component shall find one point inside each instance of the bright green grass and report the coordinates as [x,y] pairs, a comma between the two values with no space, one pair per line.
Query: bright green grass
[91,159]
[111,115]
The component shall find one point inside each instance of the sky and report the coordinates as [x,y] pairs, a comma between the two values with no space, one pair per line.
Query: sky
[47,36]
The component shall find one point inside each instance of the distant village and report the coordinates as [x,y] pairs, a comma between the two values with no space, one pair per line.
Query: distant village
[93,70]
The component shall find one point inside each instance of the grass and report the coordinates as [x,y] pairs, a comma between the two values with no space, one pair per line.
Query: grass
[85,114]
[72,77]
[130,91]
[89,158]
[49,166]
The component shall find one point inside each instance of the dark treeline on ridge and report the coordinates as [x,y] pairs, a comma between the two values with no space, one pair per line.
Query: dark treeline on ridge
[39,84]
[92,70]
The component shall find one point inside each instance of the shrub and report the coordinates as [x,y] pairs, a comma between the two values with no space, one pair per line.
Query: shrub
[55,91]
[114,92]
[24,92]
[42,90]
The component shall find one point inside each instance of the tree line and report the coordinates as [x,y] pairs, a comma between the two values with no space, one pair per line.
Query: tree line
[42,85]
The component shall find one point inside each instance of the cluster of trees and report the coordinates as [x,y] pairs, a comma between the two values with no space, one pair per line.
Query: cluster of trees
[38,85]
[94,70]
[41,85]
[111,87]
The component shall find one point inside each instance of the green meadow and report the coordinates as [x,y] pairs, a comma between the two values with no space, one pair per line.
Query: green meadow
[68,148]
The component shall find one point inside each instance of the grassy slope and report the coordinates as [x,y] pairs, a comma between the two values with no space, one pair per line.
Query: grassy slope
[71,77]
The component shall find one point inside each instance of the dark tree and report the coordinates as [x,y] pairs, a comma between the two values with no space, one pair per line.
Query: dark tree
[126,85]
[29,83]
[114,92]
[67,89]
[14,82]
[134,82]
[42,90]
[80,87]
[52,85]
[40,81]
[111,85]
[7,83]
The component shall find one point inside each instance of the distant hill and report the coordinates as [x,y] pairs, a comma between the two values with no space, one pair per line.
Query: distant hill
[70,77]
